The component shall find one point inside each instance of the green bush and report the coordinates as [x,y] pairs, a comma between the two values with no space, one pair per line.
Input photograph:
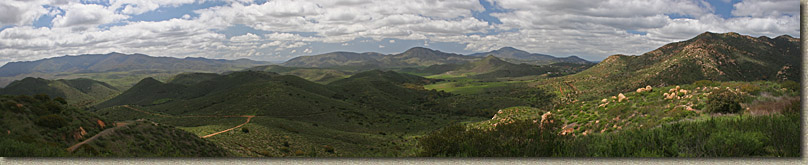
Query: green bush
[723,101]
[790,85]
[701,83]
[42,97]
[750,88]
[60,100]
[10,105]
[51,121]
[736,143]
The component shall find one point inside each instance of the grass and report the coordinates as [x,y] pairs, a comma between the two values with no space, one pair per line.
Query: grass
[465,86]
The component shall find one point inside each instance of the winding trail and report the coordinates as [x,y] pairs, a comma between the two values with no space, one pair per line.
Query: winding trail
[106,131]
[230,129]
[249,117]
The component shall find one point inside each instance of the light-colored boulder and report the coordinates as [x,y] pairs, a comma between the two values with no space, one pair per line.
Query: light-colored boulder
[621,97]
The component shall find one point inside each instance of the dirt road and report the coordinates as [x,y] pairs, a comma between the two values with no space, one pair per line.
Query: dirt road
[230,129]
[106,131]
[249,117]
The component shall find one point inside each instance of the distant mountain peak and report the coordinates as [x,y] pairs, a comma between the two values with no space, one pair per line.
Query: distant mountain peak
[419,50]
[508,48]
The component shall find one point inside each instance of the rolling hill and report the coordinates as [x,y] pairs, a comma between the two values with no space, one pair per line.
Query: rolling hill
[335,59]
[708,56]
[41,126]
[358,114]
[517,56]
[120,70]
[319,75]
[79,92]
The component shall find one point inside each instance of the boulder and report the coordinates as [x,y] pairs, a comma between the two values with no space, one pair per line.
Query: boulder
[621,97]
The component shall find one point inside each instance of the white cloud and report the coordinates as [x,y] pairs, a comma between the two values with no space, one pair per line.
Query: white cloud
[85,16]
[381,46]
[342,21]
[249,37]
[392,41]
[307,51]
[135,7]
[766,8]
[21,12]
[293,51]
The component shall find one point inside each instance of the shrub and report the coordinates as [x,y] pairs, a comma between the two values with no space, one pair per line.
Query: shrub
[750,88]
[51,121]
[10,105]
[53,107]
[794,107]
[42,97]
[790,85]
[723,101]
[60,100]
[736,143]
[705,83]
[284,149]
[245,130]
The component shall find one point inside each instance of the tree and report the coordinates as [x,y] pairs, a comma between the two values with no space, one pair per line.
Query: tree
[723,101]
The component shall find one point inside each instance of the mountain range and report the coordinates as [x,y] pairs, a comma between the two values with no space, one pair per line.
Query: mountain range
[116,66]
[517,56]
[421,57]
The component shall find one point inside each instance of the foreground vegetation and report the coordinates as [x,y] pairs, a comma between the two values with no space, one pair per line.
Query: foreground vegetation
[726,136]
[725,119]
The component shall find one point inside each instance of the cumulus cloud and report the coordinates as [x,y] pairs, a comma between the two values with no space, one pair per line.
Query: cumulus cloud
[765,8]
[135,7]
[21,12]
[249,37]
[85,16]
[341,21]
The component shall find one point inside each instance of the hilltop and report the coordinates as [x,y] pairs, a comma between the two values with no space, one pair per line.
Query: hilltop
[79,92]
[421,57]
[517,56]
[708,56]
[319,75]
[417,56]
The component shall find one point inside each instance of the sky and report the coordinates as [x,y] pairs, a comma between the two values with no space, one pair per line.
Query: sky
[277,30]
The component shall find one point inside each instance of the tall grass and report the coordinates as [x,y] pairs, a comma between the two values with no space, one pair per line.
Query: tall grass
[775,136]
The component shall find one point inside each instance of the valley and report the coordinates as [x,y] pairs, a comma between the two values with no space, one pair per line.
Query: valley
[710,96]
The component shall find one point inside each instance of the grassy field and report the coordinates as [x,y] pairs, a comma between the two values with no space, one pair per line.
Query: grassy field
[467,86]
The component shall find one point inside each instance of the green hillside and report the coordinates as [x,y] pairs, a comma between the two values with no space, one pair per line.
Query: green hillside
[319,75]
[709,56]
[370,113]
[39,126]
[78,92]
[644,124]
